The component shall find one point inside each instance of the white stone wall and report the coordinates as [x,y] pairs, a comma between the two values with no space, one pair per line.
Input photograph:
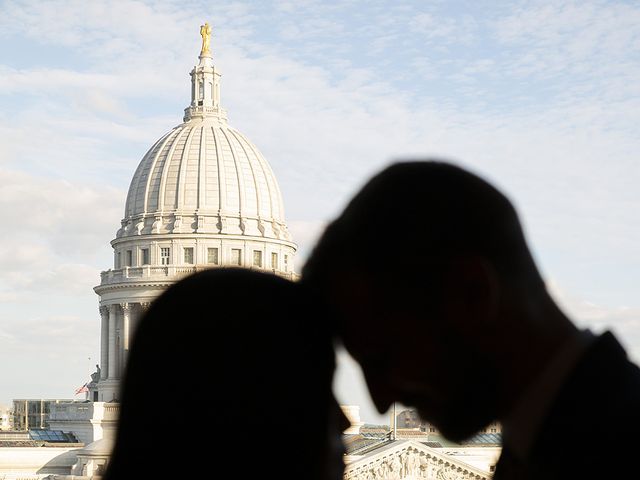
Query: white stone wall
[35,462]
[90,421]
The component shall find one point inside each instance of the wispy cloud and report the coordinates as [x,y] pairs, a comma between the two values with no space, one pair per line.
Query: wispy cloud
[624,321]
[60,242]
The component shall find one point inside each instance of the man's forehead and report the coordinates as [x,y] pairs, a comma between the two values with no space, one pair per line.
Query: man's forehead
[348,287]
[350,293]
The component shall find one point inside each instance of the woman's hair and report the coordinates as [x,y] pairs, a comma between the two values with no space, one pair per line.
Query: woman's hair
[228,366]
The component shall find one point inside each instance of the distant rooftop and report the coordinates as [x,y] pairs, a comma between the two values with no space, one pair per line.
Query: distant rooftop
[372,437]
[37,437]
[52,436]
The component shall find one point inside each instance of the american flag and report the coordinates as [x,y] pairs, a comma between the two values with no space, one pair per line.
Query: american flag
[82,389]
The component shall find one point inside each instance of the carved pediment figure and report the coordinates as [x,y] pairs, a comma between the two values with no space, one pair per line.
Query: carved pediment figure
[412,464]
[446,474]
[383,470]
[395,468]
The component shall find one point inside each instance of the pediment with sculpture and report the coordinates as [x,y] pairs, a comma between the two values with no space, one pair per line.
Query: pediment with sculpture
[410,460]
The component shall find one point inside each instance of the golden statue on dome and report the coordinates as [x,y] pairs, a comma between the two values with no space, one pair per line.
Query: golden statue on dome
[205,32]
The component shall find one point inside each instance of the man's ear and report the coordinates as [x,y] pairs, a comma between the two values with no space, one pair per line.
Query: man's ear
[472,295]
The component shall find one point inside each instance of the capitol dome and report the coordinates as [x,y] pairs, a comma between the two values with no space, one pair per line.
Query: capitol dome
[209,177]
[204,176]
[203,196]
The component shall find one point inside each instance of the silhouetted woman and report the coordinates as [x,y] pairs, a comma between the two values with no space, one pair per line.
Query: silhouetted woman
[229,376]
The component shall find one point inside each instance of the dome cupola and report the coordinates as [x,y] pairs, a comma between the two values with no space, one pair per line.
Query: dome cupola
[204,176]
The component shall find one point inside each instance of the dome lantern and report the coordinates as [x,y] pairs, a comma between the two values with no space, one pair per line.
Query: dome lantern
[205,84]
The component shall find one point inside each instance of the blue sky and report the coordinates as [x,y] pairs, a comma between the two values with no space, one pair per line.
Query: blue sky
[542,98]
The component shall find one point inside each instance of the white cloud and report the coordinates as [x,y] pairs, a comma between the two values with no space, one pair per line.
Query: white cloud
[305,234]
[58,232]
[443,31]
[572,37]
[623,321]
[37,353]
[45,206]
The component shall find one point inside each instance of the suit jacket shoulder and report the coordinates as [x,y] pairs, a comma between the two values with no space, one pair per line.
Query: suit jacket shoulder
[593,427]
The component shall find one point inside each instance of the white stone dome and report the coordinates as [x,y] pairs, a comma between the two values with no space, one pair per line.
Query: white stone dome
[204,176]
[205,169]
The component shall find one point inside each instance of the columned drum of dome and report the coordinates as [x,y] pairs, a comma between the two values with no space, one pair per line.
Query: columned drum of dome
[203,196]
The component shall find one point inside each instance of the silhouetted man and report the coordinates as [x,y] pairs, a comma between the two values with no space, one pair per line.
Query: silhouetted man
[439,300]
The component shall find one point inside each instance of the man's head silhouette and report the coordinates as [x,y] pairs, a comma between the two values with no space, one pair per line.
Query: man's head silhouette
[437,294]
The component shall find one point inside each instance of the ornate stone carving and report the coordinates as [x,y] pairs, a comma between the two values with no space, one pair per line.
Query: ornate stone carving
[177,224]
[276,229]
[222,224]
[95,376]
[412,462]
[157,225]
[121,230]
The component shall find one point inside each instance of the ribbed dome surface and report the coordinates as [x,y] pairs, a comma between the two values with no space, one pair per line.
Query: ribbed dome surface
[208,167]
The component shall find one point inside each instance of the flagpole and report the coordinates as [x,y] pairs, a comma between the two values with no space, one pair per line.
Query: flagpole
[392,425]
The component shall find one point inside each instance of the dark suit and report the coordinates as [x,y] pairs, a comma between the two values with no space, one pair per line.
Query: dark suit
[592,430]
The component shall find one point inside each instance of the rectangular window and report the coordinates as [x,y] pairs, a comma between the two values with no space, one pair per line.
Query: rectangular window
[286,263]
[188,255]
[129,258]
[145,256]
[236,256]
[274,260]
[257,258]
[212,255]
[119,261]
[165,254]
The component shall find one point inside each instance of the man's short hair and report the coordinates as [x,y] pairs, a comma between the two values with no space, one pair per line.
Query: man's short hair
[415,216]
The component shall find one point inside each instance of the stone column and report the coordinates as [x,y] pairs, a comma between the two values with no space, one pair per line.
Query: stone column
[126,335]
[104,343]
[126,316]
[113,354]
